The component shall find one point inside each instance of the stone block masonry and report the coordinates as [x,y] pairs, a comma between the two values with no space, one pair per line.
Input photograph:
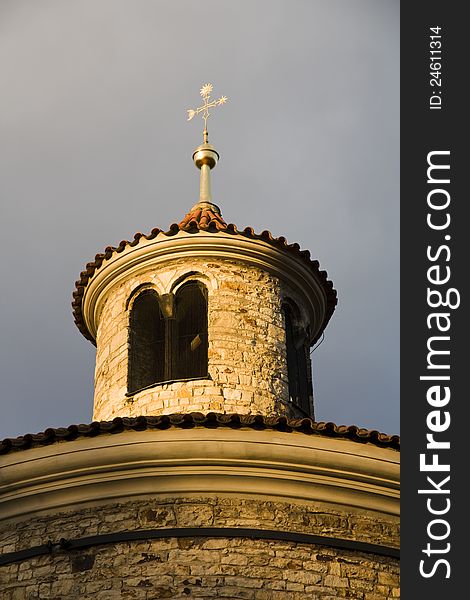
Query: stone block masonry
[201,567]
[246,355]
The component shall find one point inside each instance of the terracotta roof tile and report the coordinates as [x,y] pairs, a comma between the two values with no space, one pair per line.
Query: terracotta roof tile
[190,420]
[203,217]
[209,221]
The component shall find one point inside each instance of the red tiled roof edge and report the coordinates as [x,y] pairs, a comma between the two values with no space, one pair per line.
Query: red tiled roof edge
[193,226]
[190,420]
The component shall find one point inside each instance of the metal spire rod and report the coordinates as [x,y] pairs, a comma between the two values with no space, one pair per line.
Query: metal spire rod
[205,156]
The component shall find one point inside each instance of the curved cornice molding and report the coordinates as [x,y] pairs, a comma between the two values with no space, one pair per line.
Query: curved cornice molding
[199,461]
[272,254]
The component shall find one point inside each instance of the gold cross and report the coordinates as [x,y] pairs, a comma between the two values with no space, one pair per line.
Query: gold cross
[204,109]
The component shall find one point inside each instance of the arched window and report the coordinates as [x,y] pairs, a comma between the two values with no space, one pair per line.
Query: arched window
[168,336]
[297,360]
[147,342]
[191,331]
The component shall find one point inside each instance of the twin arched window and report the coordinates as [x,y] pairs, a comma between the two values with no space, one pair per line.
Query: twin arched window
[168,341]
[300,382]
[168,336]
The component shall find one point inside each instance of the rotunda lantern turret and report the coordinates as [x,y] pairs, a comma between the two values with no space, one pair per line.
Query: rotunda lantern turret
[203,316]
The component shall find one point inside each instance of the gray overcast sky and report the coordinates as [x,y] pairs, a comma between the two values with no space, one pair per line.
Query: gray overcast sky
[94,146]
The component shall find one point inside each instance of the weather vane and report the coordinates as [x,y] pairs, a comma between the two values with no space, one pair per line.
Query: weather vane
[204,109]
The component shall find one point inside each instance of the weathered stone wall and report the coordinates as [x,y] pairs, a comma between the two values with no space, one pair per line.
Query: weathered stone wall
[218,511]
[202,567]
[247,354]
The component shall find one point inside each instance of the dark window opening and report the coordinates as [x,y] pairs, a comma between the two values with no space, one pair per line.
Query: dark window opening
[147,339]
[168,337]
[191,331]
[297,362]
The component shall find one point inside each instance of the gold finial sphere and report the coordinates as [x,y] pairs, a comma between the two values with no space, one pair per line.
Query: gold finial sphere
[205,154]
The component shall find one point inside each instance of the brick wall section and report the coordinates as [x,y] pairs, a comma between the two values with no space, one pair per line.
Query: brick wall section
[202,567]
[247,355]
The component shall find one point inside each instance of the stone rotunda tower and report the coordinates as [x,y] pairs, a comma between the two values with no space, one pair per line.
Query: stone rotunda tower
[203,473]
